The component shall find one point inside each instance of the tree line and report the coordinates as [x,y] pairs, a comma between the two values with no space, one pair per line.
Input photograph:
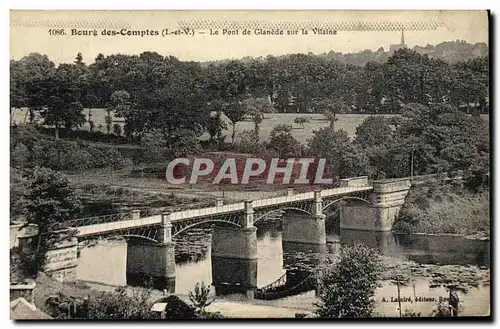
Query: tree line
[167,104]
[175,98]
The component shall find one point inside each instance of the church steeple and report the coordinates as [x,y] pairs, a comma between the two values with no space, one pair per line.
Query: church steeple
[398,46]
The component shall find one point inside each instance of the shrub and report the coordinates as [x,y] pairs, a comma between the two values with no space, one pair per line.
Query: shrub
[444,211]
[119,305]
[249,142]
[200,298]
[347,286]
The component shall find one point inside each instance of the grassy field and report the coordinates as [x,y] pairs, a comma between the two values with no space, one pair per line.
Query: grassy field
[347,122]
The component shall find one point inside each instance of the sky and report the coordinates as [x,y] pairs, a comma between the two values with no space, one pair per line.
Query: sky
[30,32]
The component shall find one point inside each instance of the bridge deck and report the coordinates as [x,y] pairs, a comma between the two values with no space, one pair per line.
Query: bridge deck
[214,211]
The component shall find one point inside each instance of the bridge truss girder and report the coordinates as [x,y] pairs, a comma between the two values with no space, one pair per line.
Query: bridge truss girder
[361,196]
[231,218]
[151,232]
[307,207]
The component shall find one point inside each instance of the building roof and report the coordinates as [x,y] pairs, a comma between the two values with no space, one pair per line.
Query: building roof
[159,307]
[173,306]
[21,309]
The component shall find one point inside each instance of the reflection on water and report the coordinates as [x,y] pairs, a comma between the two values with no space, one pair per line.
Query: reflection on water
[106,262]
[422,249]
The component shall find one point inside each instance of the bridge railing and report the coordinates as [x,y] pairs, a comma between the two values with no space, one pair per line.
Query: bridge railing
[125,216]
[191,213]
[279,289]
[280,282]
[153,211]
[311,188]
[95,220]
[210,211]
[178,214]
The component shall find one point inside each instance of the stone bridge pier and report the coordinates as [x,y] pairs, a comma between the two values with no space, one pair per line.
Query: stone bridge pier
[301,227]
[234,256]
[381,212]
[148,260]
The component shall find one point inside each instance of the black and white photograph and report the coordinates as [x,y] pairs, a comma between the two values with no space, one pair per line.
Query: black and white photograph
[194,165]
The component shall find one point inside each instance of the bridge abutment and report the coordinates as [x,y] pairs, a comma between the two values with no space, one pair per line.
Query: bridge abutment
[385,202]
[300,227]
[147,260]
[234,256]
[61,257]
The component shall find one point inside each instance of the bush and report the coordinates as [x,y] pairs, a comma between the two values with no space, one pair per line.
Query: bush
[444,211]
[249,142]
[34,149]
[347,286]
[117,129]
[200,298]
[119,306]
[283,143]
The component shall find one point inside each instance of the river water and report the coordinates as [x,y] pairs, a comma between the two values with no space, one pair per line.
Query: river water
[105,262]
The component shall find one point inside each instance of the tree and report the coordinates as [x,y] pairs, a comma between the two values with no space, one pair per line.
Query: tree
[469,83]
[301,121]
[373,131]
[236,113]
[370,88]
[347,286]
[441,138]
[79,59]
[255,108]
[18,194]
[121,107]
[108,121]
[117,129]
[257,120]
[51,201]
[172,101]
[77,160]
[282,141]
[153,147]
[26,78]
[17,86]
[343,158]
[249,142]
[200,298]
[330,108]
[19,155]
[60,101]
[157,149]
[215,127]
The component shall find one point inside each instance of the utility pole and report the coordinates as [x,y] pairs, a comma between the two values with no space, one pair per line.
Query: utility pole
[411,169]
[399,297]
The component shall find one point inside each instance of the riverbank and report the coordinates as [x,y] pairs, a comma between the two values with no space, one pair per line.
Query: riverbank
[229,308]
[432,282]
[480,236]
[445,210]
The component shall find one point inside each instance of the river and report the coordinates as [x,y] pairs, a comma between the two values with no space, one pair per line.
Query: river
[105,262]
